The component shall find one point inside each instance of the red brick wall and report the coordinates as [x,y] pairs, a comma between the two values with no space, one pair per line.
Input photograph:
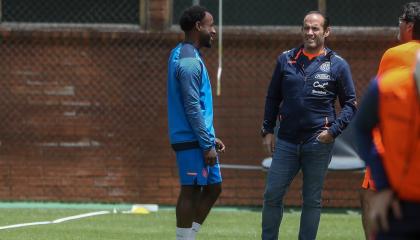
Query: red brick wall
[83,113]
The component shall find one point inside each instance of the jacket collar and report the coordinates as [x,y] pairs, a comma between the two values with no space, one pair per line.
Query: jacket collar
[297,52]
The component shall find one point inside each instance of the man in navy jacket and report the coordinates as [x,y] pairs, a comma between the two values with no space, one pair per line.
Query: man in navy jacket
[305,84]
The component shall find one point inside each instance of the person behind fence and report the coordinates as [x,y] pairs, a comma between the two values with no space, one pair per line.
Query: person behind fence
[305,85]
[396,57]
[190,116]
[392,104]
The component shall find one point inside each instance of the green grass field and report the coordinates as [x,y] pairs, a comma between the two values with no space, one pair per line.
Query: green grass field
[222,223]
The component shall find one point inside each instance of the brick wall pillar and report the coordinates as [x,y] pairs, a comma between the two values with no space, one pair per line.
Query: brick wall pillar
[159,14]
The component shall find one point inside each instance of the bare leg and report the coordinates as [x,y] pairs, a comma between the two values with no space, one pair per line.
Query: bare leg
[186,205]
[206,200]
[365,195]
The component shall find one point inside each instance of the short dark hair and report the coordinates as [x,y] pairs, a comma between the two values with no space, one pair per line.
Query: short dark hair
[326,18]
[411,13]
[190,16]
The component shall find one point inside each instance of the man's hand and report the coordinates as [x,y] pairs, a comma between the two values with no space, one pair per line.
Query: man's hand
[381,202]
[268,143]
[210,157]
[220,147]
[325,137]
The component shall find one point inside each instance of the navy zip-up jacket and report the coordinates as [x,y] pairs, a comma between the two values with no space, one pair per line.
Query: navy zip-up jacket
[302,94]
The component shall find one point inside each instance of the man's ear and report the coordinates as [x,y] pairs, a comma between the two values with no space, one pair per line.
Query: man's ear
[409,27]
[327,32]
[198,25]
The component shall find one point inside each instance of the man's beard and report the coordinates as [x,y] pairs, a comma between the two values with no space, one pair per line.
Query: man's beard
[205,39]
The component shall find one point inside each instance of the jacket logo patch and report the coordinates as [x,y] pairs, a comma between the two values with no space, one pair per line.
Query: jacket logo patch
[319,88]
[322,76]
[320,85]
[325,67]
[317,92]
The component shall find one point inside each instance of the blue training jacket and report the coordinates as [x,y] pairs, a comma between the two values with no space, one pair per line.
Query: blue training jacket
[303,93]
[190,102]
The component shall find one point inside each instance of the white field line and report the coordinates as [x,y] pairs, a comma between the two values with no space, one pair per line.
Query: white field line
[24,225]
[60,220]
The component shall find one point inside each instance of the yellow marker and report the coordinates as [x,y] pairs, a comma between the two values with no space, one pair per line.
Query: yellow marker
[139,210]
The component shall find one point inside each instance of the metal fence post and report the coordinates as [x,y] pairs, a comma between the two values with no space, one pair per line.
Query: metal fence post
[143,14]
[322,6]
[1,11]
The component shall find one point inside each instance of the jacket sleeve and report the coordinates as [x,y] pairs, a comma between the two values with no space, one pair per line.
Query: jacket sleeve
[365,121]
[189,75]
[346,97]
[274,96]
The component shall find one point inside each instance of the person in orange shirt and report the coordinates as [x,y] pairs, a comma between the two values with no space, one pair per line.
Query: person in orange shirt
[392,105]
[397,57]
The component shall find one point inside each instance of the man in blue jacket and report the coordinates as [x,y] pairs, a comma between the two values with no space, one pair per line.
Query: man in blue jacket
[190,117]
[302,93]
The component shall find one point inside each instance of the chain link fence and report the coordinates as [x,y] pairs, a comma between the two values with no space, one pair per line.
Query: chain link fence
[81,97]
[289,12]
[84,81]
[78,11]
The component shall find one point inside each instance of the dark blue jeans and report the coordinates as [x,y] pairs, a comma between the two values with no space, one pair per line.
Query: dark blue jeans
[312,158]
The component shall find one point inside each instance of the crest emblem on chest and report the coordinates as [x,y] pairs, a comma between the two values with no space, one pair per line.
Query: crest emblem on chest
[325,67]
